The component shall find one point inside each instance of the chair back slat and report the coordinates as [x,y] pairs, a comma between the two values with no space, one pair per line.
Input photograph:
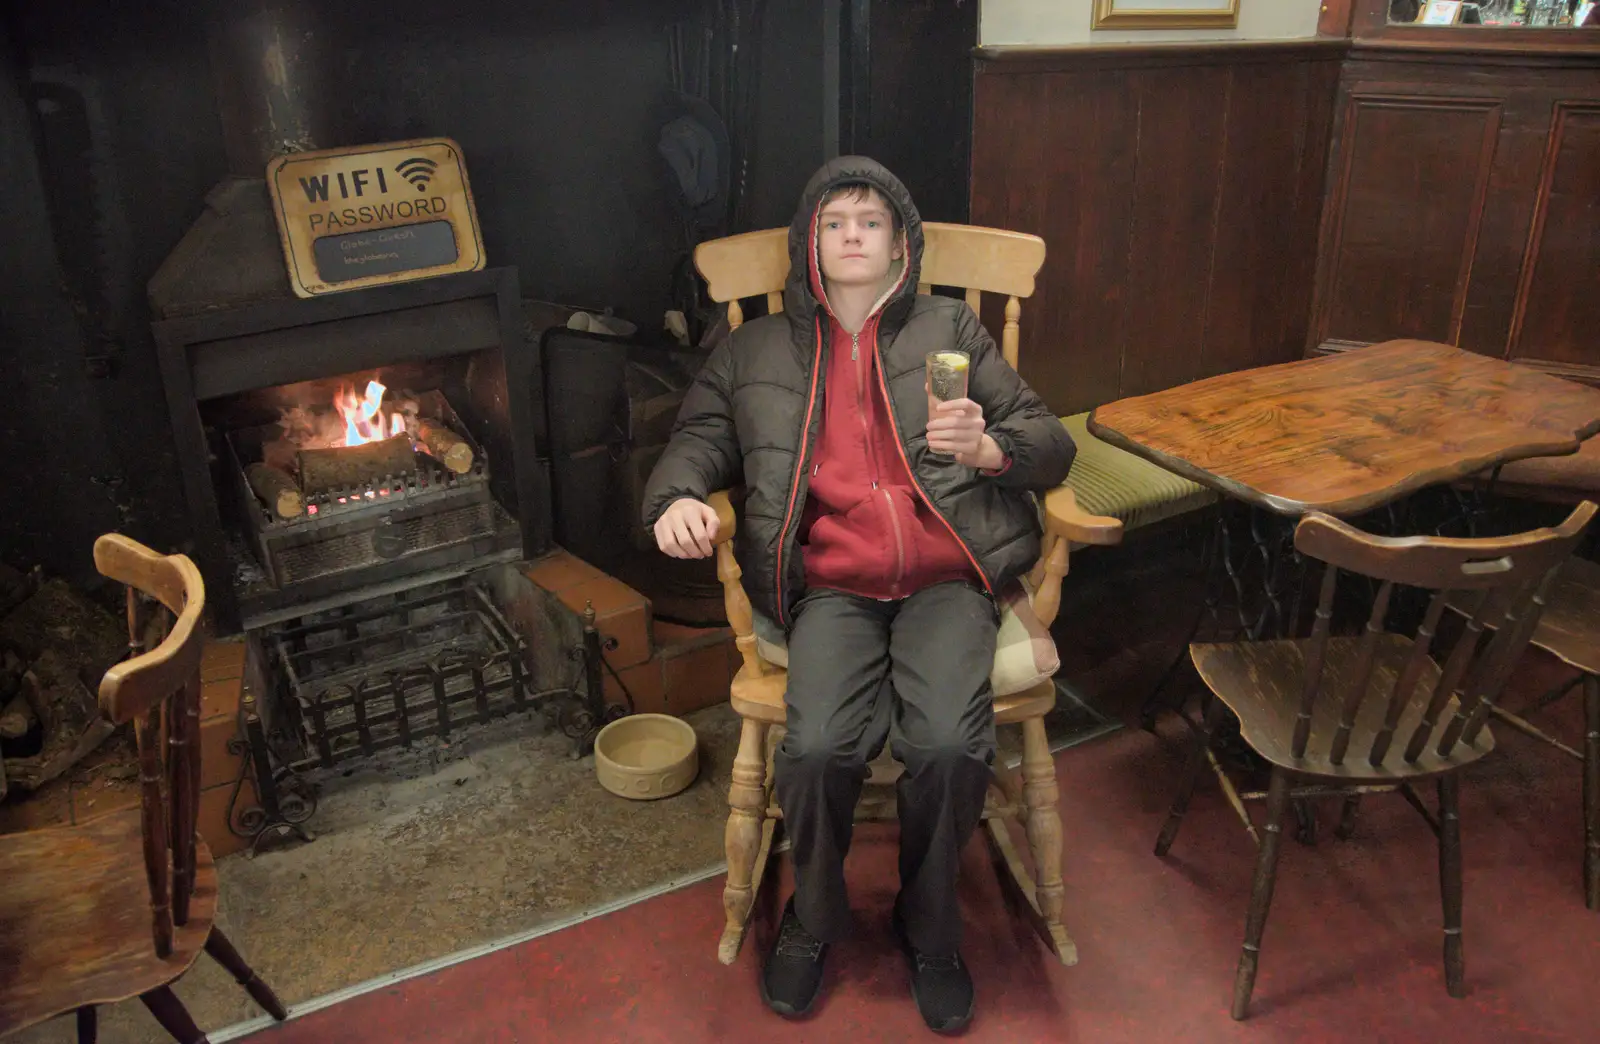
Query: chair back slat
[158,690]
[1450,679]
[774,302]
[1511,638]
[1509,573]
[1405,684]
[747,265]
[1366,659]
[1315,660]
[975,299]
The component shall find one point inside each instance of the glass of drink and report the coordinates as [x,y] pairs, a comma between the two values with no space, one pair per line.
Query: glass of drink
[947,379]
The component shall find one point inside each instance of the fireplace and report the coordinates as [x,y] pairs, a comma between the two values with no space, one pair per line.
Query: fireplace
[243,384]
[362,472]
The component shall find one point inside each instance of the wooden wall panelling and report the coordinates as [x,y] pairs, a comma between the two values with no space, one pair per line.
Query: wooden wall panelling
[1461,205]
[1405,212]
[1054,154]
[1178,190]
[1183,140]
[1558,315]
[1508,208]
[1260,293]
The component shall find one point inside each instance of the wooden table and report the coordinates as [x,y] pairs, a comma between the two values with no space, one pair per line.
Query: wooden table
[1351,432]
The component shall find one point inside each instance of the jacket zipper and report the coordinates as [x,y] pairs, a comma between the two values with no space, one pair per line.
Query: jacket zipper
[799,470]
[900,446]
[899,544]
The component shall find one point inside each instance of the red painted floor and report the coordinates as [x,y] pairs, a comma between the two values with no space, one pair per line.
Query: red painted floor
[1352,950]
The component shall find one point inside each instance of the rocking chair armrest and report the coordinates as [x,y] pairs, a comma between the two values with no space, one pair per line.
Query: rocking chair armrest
[727,520]
[1064,518]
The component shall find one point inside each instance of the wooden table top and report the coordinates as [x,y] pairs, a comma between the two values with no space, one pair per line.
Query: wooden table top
[1350,432]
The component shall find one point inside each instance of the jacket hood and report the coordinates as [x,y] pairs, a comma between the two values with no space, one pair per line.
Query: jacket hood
[799,299]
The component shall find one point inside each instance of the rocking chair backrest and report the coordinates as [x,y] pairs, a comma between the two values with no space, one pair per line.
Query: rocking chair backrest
[967,257]
[158,689]
[1505,576]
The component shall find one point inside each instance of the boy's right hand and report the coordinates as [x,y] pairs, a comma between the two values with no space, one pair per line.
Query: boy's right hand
[687,528]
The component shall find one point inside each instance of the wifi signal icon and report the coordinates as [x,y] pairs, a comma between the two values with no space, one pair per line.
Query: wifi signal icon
[417,170]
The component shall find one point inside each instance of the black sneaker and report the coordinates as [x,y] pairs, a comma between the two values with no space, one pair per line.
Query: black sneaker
[792,976]
[941,986]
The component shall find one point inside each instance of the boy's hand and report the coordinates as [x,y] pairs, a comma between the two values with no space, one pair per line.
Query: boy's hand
[956,428]
[687,528]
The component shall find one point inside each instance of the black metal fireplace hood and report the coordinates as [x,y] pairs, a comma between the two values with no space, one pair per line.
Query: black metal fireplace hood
[269,61]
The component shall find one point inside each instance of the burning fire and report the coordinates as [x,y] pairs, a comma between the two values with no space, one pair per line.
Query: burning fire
[363,415]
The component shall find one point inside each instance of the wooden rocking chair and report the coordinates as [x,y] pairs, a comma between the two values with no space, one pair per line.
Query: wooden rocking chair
[976,260]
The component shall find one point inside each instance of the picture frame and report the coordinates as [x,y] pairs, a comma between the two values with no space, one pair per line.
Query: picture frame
[1440,12]
[1165,14]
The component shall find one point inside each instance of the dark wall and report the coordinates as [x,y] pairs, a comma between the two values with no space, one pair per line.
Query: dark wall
[108,140]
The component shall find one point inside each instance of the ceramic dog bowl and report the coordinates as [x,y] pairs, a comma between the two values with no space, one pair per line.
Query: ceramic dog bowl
[646,756]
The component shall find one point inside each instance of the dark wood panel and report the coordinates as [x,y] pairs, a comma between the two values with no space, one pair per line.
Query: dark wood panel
[1260,291]
[1054,155]
[1178,191]
[1558,317]
[1183,141]
[1406,212]
[1493,269]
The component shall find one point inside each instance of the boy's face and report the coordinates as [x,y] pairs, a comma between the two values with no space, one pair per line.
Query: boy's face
[856,240]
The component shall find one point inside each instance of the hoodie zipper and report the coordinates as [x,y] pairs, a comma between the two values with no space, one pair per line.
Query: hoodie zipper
[877,467]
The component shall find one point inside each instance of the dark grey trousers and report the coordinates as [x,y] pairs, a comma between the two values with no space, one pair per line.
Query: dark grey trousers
[858,666]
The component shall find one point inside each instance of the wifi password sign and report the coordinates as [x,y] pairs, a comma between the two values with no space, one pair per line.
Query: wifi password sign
[418,170]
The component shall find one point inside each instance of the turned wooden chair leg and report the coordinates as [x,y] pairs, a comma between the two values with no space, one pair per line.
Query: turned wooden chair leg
[1040,796]
[1591,791]
[1191,776]
[1244,981]
[744,836]
[222,951]
[88,1025]
[173,1016]
[1450,882]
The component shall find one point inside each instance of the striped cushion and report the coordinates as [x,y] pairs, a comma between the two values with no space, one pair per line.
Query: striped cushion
[1114,482]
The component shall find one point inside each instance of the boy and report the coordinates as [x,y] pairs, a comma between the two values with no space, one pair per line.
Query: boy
[876,536]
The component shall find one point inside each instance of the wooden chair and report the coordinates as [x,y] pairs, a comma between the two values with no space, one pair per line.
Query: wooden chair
[976,260]
[1376,712]
[1568,628]
[78,927]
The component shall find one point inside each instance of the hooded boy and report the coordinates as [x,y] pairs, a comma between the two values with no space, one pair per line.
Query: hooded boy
[875,537]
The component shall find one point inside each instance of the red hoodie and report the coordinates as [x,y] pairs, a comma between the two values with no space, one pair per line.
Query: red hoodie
[866,529]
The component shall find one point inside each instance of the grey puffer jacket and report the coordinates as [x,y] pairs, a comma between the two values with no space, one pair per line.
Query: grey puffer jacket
[752,416]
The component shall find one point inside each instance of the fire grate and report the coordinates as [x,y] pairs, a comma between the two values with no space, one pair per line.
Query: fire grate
[393,670]
[389,680]
[427,508]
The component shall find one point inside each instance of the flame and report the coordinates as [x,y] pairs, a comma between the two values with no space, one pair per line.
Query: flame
[363,415]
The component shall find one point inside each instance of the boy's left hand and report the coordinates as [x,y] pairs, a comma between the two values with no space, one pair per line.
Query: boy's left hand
[956,428]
